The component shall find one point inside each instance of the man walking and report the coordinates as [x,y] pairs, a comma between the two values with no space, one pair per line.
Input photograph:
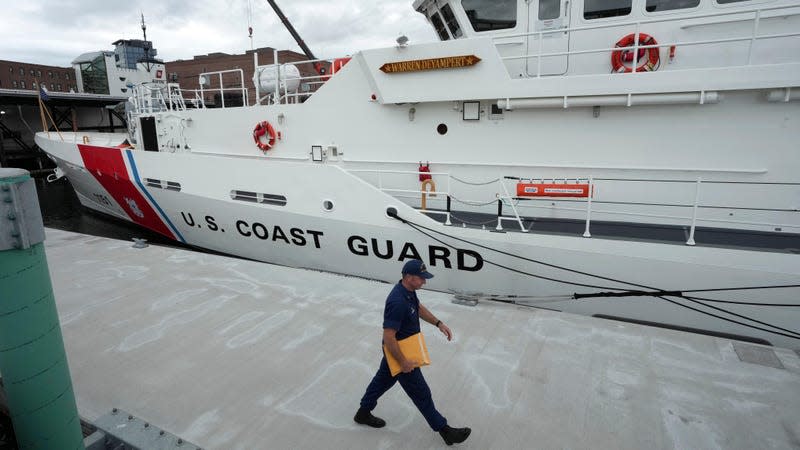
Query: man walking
[400,320]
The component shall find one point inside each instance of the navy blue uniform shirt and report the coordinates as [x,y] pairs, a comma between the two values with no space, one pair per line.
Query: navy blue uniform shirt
[402,312]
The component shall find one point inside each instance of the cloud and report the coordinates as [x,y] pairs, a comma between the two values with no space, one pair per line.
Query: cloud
[54,32]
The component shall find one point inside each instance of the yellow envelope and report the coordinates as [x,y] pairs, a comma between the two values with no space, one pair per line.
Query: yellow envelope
[413,348]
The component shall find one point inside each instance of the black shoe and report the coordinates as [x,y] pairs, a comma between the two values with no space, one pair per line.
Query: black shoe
[365,417]
[454,435]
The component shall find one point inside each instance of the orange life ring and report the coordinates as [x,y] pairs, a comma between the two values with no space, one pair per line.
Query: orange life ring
[264,128]
[625,54]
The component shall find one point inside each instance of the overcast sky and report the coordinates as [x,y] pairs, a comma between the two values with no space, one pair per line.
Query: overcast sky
[54,32]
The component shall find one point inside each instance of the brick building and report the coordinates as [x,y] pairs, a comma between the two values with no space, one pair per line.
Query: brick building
[19,75]
[187,72]
[27,76]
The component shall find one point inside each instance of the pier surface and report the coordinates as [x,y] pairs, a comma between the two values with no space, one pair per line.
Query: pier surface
[235,354]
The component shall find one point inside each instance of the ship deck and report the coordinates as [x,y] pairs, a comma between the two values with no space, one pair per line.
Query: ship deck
[778,242]
[235,354]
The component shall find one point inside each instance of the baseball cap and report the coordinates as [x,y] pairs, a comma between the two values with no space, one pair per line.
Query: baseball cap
[417,267]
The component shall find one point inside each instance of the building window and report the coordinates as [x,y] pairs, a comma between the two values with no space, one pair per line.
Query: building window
[39,73]
[66,76]
[94,75]
[22,84]
[14,84]
[32,72]
[59,86]
[599,9]
[490,15]
[11,69]
[666,5]
[21,72]
[51,87]
[33,85]
[50,74]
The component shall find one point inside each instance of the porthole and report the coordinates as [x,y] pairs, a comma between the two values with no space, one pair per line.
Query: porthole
[327,205]
[442,129]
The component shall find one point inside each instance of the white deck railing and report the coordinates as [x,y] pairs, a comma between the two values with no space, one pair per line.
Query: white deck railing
[498,193]
[206,79]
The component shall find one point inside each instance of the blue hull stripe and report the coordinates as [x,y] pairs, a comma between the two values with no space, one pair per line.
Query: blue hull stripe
[150,197]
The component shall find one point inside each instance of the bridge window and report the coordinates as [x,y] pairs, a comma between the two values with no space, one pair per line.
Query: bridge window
[598,9]
[549,9]
[450,20]
[487,15]
[666,5]
[436,20]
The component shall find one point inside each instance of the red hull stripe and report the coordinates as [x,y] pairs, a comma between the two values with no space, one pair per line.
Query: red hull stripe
[107,165]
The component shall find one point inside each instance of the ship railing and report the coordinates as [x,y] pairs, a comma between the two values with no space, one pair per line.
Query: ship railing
[696,190]
[217,78]
[175,97]
[148,98]
[395,183]
[749,39]
[306,85]
[425,193]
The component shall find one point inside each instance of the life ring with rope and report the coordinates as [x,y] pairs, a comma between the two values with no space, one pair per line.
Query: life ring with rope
[264,129]
[625,54]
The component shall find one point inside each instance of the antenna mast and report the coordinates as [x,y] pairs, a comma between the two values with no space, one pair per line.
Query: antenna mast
[146,44]
[250,21]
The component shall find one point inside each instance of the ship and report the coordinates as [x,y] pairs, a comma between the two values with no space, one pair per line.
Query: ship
[631,160]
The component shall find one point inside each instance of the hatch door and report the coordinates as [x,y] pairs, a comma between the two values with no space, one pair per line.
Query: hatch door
[548,15]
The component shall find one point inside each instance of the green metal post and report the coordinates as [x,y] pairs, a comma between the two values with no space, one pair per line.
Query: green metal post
[33,362]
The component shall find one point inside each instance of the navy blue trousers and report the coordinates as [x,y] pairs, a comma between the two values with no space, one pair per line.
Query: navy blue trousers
[415,386]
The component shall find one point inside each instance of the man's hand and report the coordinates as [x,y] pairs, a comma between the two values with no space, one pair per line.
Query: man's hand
[446,331]
[408,365]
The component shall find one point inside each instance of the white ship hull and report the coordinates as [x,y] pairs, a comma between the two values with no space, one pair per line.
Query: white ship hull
[692,171]
[372,246]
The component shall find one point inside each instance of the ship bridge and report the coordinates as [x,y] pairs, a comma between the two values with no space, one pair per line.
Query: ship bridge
[553,37]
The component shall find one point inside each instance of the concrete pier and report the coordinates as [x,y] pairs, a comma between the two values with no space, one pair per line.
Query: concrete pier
[234,354]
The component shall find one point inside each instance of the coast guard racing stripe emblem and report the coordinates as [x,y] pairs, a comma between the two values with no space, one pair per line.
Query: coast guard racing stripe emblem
[108,167]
